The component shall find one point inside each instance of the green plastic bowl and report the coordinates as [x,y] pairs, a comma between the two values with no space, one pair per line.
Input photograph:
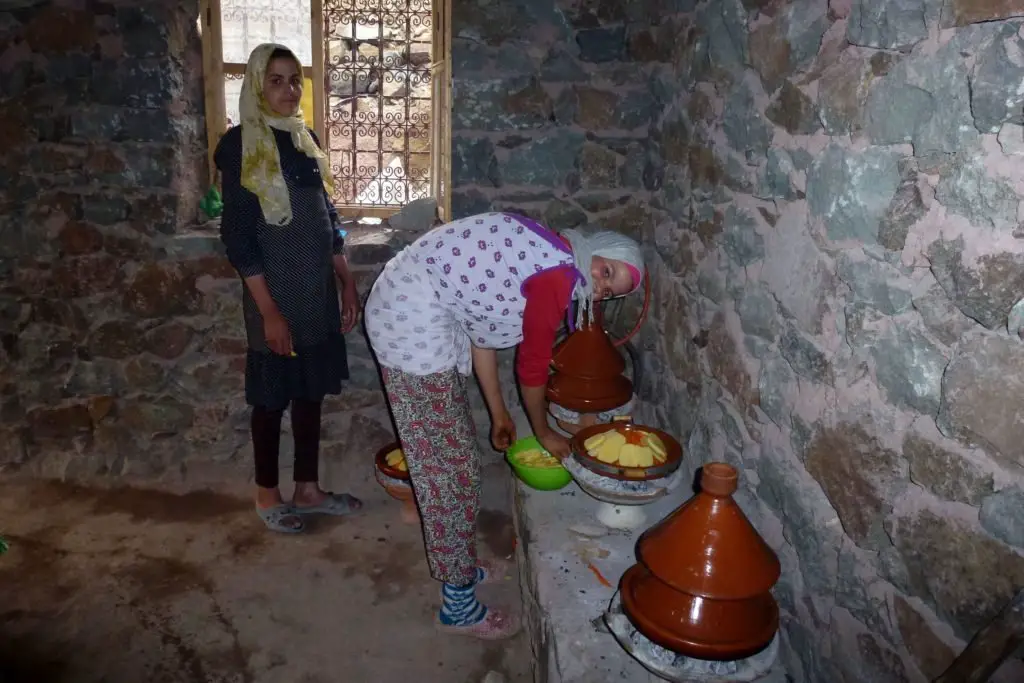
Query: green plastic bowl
[540,478]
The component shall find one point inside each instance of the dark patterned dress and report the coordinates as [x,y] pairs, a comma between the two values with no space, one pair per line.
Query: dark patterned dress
[296,261]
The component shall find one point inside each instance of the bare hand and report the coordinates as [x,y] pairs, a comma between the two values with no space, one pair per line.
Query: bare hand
[555,444]
[349,307]
[275,331]
[503,432]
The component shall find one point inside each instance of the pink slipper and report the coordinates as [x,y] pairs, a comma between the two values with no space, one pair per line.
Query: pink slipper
[497,625]
[496,569]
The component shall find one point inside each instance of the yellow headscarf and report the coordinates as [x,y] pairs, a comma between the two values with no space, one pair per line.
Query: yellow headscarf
[261,162]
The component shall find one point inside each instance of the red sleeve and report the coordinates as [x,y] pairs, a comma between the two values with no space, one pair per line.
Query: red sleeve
[547,299]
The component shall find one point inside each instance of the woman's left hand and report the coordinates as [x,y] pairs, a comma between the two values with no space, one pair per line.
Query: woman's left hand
[503,432]
[349,307]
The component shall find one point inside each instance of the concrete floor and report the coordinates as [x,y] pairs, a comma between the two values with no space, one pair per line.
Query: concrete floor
[175,582]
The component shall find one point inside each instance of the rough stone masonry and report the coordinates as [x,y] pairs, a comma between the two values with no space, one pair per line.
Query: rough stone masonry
[121,346]
[829,194]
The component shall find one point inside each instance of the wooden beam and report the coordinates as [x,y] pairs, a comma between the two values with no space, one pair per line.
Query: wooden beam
[437,71]
[213,78]
[441,108]
[990,647]
[447,177]
[316,16]
[354,211]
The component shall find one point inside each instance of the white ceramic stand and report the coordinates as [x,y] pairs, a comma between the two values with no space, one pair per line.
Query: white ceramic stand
[625,517]
[620,503]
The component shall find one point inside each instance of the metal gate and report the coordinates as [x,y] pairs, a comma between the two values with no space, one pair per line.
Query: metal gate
[378,71]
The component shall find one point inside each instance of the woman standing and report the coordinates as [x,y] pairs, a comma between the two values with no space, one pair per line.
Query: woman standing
[444,305]
[280,232]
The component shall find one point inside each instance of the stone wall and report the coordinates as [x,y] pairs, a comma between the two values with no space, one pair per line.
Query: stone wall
[122,343]
[553,104]
[836,250]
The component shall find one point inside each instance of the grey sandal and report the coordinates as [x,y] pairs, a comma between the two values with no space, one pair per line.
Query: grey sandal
[281,518]
[338,504]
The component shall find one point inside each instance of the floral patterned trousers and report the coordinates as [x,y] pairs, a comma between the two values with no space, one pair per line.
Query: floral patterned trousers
[435,426]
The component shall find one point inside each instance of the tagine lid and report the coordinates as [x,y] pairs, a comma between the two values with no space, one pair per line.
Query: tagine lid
[708,547]
[588,353]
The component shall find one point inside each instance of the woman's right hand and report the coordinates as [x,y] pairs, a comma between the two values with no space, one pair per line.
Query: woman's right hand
[503,432]
[275,332]
[554,443]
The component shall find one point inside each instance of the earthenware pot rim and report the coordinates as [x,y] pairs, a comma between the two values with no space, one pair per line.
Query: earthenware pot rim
[380,463]
[588,396]
[673,454]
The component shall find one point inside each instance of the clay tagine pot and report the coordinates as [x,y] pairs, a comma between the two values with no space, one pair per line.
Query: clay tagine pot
[702,583]
[587,374]
[396,483]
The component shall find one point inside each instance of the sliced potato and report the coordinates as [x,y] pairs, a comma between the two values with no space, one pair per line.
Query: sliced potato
[628,456]
[608,448]
[655,444]
[644,456]
[607,452]
[615,440]
[633,455]
[634,448]
[536,457]
[657,447]
[395,457]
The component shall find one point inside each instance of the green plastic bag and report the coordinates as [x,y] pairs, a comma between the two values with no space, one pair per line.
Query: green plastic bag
[212,204]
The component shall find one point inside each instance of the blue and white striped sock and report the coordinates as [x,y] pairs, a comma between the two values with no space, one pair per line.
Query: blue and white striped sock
[459,606]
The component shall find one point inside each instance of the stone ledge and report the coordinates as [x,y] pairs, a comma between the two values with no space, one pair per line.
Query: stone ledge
[564,600]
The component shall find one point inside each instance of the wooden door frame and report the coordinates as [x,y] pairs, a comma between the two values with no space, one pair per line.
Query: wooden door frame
[213,78]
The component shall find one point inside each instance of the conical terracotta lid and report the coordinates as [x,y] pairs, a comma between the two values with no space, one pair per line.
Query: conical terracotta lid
[588,353]
[708,547]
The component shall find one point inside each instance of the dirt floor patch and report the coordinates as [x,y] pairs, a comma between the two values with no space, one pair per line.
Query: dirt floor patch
[171,584]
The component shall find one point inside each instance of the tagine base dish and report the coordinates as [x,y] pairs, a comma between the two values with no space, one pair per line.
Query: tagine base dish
[678,668]
[380,462]
[673,457]
[724,629]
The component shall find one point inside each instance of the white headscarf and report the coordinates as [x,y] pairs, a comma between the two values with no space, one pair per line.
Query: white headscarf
[606,244]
